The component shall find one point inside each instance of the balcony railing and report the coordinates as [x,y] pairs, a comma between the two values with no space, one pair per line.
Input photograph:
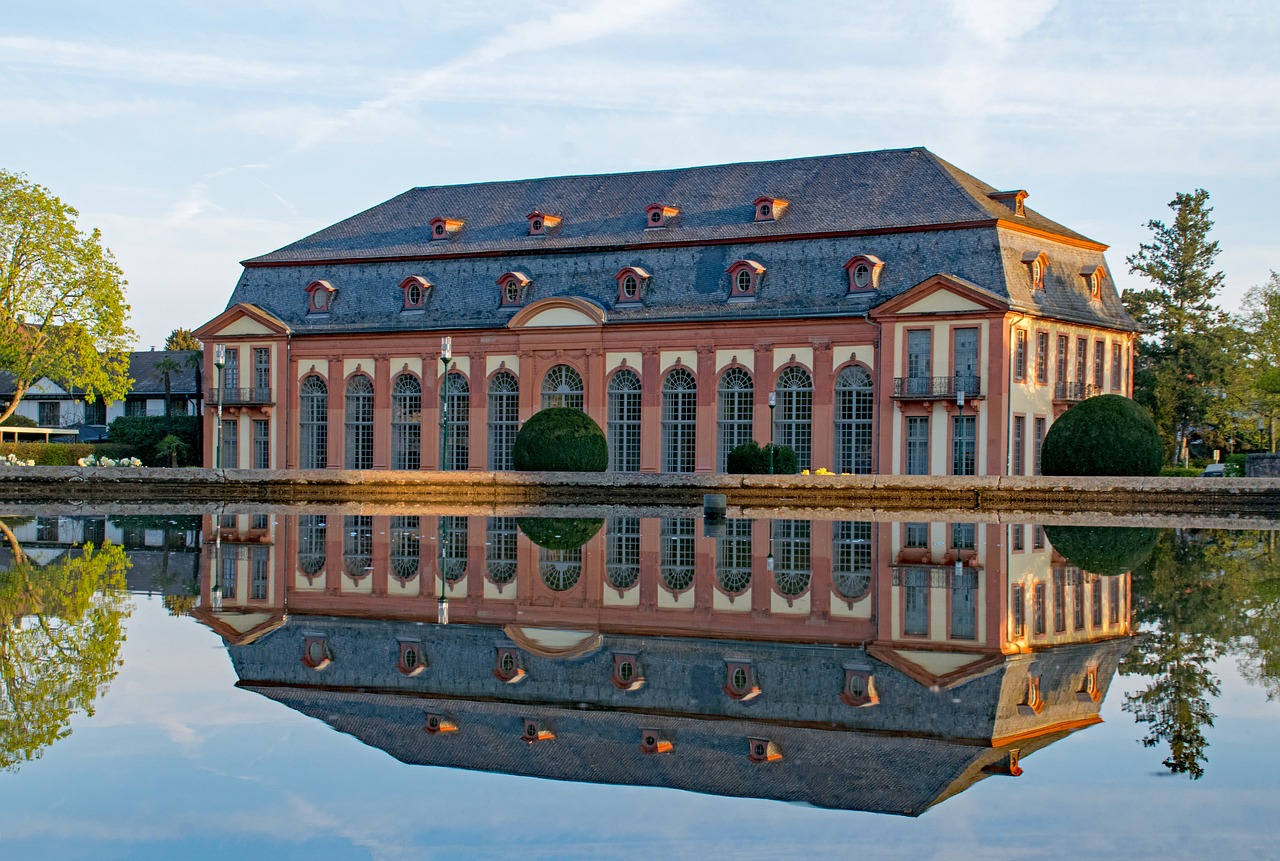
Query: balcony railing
[937,387]
[241,396]
[1069,391]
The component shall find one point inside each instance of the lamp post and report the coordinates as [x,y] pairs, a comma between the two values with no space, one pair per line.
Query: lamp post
[219,360]
[215,589]
[961,440]
[773,402]
[442,603]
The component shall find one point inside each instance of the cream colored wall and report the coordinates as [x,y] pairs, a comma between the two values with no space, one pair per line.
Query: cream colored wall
[494,363]
[560,317]
[614,360]
[688,359]
[785,355]
[723,603]
[243,326]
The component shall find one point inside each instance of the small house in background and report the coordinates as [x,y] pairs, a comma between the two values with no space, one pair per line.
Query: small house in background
[51,404]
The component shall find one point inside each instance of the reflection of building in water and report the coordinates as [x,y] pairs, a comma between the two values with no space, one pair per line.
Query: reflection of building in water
[655,638]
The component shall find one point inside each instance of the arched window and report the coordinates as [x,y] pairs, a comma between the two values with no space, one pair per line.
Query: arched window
[357,545]
[851,559]
[795,413]
[791,568]
[679,421]
[313,424]
[677,560]
[453,548]
[504,419]
[359,431]
[406,423]
[311,548]
[734,418]
[624,422]
[562,387]
[855,397]
[455,399]
[560,569]
[733,556]
[500,549]
[405,547]
[622,552]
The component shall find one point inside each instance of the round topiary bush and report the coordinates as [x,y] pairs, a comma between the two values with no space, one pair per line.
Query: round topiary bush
[1104,435]
[559,533]
[751,459]
[560,439]
[1103,549]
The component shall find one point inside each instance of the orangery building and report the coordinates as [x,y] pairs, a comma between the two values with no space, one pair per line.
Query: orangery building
[879,312]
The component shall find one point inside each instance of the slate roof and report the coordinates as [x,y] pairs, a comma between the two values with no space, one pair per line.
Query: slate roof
[147,380]
[916,212]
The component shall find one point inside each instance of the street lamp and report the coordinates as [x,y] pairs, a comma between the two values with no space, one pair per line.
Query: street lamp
[773,402]
[215,590]
[960,437]
[442,603]
[219,360]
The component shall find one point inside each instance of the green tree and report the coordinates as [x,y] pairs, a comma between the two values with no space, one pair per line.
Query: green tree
[182,339]
[168,367]
[61,626]
[63,313]
[1181,358]
[1260,326]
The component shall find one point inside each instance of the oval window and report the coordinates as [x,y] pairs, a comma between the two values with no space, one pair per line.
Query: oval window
[655,217]
[738,679]
[508,663]
[512,292]
[415,292]
[626,670]
[629,287]
[744,281]
[861,275]
[439,230]
[764,210]
[536,225]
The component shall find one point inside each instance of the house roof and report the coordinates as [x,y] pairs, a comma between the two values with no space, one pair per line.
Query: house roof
[919,214]
[148,378]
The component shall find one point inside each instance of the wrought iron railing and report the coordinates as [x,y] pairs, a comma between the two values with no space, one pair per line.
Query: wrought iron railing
[1066,390]
[256,395]
[938,387]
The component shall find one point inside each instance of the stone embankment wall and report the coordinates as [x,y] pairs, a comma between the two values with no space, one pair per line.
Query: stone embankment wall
[1222,496]
[1262,466]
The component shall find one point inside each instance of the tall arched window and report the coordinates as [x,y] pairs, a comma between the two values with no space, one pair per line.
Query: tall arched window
[311,543]
[504,419]
[622,554]
[676,564]
[734,417]
[453,547]
[791,571]
[406,549]
[795,413]
[359,430]
[855,396]
[313,424]
[456,401]
[679,421]
[357,545]
[406,423]
[500,549]
[562,387]
[851,558]
[733,556]
[560,568]
[624,422]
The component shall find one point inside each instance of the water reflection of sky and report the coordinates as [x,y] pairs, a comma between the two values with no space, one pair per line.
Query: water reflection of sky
[177,763]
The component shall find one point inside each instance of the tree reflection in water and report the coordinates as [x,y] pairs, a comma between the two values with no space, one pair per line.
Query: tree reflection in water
[61,626]
[1199,596]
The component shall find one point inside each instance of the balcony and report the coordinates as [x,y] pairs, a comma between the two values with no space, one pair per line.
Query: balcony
[937,388]
[1068,391]
[236,397]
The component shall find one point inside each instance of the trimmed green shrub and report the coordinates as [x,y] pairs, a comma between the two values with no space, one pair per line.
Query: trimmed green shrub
[1104,435]
[560,439]
[1103,549]
[144,434]
[750,459]
[1234,466]
[559,533]
[62,453]
[1180,471]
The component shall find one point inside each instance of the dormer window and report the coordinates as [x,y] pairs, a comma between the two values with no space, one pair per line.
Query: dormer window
[763,750]
[1089,691]
[1011,200]
[1093,275]
[770,208]
[859,688]
[630,279]
[864,272]
[627,675]
[540,223]
[744,279]
[415,289]
[512,285]
[320,297]
[1036,262]
[1033,704]
[434,723]
[316,654]
[444,228]
[656,215]
[740,680]
[412,660]
[507,667]
[536,730]
[652,741]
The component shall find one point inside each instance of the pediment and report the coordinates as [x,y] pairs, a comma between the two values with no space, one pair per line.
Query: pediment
[243,319]
[942,294]
[558,313]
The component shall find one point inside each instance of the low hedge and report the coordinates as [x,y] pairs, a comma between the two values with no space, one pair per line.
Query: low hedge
[560,439]
[63,454]
[559,533]
[1180,471]
[1103,549]
[752,459]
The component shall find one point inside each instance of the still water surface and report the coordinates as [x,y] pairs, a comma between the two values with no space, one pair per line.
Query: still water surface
[627,686]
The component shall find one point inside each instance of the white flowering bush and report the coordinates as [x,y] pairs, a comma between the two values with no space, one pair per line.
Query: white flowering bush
[94,460]
[12,459]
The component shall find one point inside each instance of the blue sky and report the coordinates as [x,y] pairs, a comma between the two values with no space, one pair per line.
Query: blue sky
[196,135]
